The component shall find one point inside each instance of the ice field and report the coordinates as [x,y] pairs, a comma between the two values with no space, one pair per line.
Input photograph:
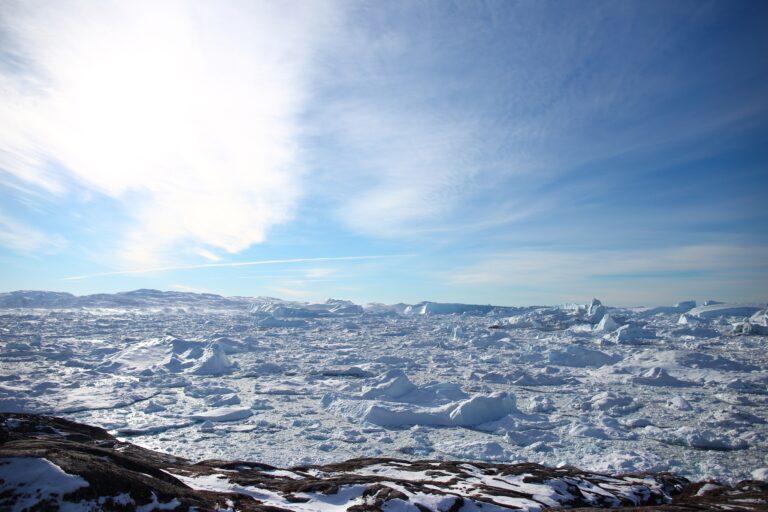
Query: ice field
[682,388]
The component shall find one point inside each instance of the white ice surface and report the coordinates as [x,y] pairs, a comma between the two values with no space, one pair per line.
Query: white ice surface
[288,383]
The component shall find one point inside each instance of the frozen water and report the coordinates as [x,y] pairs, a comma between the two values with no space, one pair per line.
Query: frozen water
[676,388]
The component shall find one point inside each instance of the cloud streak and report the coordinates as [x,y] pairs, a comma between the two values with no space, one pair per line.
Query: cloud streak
[235,264]
[26,239]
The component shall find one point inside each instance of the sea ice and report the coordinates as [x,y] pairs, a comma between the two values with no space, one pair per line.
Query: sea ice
[316,383]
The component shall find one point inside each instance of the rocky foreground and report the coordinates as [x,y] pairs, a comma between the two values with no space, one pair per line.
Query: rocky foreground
[49,463]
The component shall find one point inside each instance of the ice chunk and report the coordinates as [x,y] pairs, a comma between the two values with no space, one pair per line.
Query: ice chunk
[392,384]
[437,308]
[214,361]
[467,413]
[544,379]
[659,377]
[578,356]
[760,318]
[530,436]
[688,319]
[680,307]
[153,407]
[679,403]
[630,335]
[611,403]
[224,414]
[715,362]
[715,310]
[476,450]
[540,403]
[403,415]
[482,409]
[349,371]
[222,400]
[266,369]
[595,311]
[282,322]
[607,324]
[704,439]
[586,430]
[749,328]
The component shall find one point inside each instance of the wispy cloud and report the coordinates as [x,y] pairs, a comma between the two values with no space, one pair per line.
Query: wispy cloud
[21,237]
[186,111]
[234,264]
[466,127]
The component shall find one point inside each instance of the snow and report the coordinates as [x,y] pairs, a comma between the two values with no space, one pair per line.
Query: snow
[347,496]
[33,481]
[289,383]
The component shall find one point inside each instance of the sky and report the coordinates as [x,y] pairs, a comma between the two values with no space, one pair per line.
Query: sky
[500,152]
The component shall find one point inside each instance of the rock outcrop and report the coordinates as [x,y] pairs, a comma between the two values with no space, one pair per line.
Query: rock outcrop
[49,463]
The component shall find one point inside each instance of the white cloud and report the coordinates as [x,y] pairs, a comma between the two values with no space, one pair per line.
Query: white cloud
[185,110]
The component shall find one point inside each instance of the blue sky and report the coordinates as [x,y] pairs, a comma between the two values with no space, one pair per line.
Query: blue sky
[488,152]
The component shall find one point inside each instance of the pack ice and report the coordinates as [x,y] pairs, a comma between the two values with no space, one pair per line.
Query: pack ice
[682,388]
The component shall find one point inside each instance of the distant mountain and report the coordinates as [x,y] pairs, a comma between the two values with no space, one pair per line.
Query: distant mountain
[267,306]
[135,298]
